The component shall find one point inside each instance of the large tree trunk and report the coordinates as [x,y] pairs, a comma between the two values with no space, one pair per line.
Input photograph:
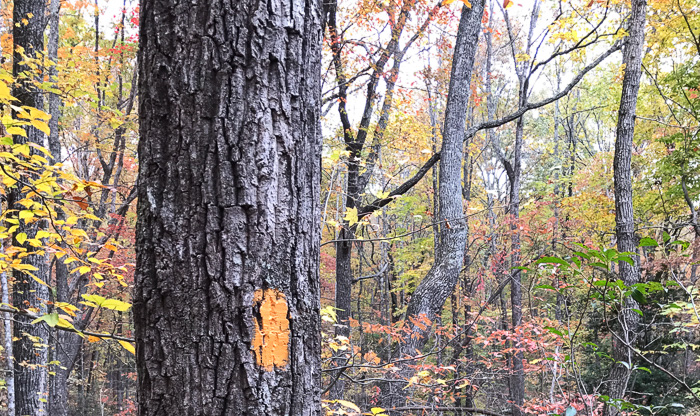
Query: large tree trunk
[30,355]
[624,214]
[226,304]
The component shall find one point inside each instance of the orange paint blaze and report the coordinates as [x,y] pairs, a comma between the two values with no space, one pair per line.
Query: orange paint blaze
[271,340]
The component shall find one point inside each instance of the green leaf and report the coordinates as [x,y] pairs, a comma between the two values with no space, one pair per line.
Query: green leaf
[554,260]
[582,255]
[51,319]
[648,242]
[610,254]
[683,244]
[554,331]
[626,259]
[639,312]
[638,296]
[550,287]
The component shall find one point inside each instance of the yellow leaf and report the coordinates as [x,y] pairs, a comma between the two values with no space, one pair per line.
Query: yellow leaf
[67,308]
[25,214]
[41,126]
[127,346]
[8,182]
[349,405]
[35,113]
[42,234]
[63,323]
[116,305]
[16,131]
[41,282]
[507,3]
[464,384]
[351,216]
[5,92]
[383,194]
[21,238]
[448,2]
[377,410]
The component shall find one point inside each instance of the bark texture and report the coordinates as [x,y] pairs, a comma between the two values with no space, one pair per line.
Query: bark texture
[431,294]
[227,232]
[64,344]
[30,353]
[624,213]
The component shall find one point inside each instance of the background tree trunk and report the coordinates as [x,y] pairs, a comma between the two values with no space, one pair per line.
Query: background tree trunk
[432,292]
[30,359]
[226,305]
[624,213]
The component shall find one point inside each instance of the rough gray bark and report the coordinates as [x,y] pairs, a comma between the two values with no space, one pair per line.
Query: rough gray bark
[227,235]
[7,344]
[53,98]
[432,292]
[61,341]
[624,214]
[29,360]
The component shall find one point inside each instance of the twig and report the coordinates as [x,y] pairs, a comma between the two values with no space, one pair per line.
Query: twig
[93,334]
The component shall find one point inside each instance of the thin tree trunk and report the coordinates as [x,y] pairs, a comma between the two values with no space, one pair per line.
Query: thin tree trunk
[517,377]
[431,294]
[58,383]
[624,213]
[355,143]
[226,304]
